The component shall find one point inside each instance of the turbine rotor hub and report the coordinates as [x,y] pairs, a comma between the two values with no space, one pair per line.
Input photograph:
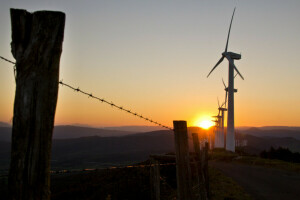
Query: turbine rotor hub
[233,56]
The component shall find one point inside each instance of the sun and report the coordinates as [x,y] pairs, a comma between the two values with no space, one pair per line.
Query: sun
[203,121]
[205,124]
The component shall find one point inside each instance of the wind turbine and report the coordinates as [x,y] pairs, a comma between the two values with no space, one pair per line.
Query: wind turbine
[219,138]
[214,136]
[230,56]
[222,110]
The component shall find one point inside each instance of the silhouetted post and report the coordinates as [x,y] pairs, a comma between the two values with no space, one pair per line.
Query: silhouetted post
[205,168]
[200,178]
[155,180]
[196,145]
[183,170]
[36,45]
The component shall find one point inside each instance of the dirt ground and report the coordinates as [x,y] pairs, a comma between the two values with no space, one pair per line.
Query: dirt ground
[261,182]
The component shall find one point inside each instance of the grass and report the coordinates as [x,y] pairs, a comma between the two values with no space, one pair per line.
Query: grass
[222,155]
[223,187]
[279,164]
[133,183]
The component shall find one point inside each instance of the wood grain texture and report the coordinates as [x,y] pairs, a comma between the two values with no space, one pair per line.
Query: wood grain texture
[36,45]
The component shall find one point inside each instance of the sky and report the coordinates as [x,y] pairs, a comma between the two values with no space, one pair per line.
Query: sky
[152,57]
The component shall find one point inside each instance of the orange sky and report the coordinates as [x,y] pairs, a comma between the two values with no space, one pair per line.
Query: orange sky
[153,58]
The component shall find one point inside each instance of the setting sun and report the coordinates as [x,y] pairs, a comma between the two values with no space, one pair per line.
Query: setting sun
[206,124]
[203,121]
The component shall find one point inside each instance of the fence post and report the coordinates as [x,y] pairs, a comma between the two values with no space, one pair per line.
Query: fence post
[36,45]
[183,170]
[205,168]
[200,173]
[155,179]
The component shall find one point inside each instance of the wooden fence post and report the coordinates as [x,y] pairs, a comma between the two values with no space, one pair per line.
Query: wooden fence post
[36,45]
[200,178]
[183,170]
[205,168]
[155,179]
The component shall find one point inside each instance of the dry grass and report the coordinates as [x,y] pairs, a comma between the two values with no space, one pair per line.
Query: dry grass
[223,155]
[223,187]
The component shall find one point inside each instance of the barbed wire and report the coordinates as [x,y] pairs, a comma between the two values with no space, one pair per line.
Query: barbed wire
[15,69]
[102,100]
[114,105]
[7,60]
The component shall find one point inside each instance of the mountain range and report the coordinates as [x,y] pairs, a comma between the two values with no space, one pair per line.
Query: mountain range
[68,132]
[78,147]
[278,133]
[95,151]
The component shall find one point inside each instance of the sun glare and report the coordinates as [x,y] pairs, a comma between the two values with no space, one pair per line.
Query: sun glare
[206,124]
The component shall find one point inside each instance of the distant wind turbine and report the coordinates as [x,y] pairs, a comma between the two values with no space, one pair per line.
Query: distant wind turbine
[219,133]
[230,137]
[223,141]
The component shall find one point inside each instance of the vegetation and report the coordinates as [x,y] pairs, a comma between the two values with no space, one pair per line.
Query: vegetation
[281,154]
[223,187]
[129,183]
[244,158]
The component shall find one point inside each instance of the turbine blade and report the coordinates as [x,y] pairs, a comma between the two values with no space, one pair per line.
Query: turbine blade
[238,72]
[229,31]
[236,75]
[222,104]
[225,99]
[218,102]
[224,83]
[221,59]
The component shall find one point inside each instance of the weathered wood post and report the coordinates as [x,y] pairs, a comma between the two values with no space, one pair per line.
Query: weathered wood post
[201,180]
[36,45]
[155,179]
[183,170]
[205,168]
[196,145]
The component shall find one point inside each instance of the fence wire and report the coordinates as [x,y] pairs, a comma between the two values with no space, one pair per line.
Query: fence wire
[101,100]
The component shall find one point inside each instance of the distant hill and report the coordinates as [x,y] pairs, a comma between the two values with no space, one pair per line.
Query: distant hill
[278,133]
[96,151]
[4,124]
[137,129]
[257,144]
[100,150]
[67,132]
[293,128]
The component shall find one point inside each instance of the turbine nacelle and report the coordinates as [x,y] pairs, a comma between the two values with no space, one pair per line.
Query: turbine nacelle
[223,109]
[233,56]
[226,89]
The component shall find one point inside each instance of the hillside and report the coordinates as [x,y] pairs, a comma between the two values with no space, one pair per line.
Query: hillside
[96,151]
[136,129]
[71,147]
[268,132]
[4,124]
[67,132]
[257,144]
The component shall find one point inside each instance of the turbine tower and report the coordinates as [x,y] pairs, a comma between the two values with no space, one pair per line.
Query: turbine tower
[219,133]
[223,115]
[230,56]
